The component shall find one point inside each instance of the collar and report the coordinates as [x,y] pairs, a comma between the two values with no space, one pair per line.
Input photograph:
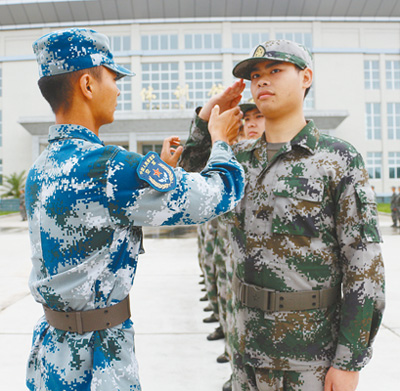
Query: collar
[69,131]
[307,138]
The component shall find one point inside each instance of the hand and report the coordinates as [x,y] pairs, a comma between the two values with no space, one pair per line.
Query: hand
[169,154]
[226,100]
[338,380]
[224,126]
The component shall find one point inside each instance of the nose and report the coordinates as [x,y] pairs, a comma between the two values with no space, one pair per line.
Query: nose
[262,82]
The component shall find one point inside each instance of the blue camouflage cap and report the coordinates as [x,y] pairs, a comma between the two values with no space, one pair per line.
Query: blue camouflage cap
[275,50]
[74,49]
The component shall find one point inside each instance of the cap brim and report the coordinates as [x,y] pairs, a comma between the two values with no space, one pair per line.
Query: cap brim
[245,107]
[243,69]
[119,70]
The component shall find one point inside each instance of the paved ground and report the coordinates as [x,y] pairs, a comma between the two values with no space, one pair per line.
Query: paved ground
[171,343]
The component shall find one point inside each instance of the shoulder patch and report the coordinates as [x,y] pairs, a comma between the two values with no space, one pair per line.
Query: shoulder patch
[156,173]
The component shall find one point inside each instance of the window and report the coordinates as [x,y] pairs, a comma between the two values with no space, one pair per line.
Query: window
[248,40]
[1,128]
[371,75]
[120,43]
[160,42]
[203,41]
[374,164]
[1,171]
[203,78]
[1,81]
[393,121]
[125,86]
[146,148]
[394,165]
[302,38]
[373,121]
[393,75]
[159,82]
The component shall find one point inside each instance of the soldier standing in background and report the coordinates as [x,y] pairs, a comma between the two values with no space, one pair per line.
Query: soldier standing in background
[86,203]
[308,277]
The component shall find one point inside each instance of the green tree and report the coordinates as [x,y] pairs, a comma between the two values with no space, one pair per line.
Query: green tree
[13,184]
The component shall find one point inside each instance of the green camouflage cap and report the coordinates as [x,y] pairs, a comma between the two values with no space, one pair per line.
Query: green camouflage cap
[74,49]
[280,50]
[245,107]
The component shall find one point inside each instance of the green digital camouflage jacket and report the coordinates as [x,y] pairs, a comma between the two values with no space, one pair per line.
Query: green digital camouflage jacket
[307,221]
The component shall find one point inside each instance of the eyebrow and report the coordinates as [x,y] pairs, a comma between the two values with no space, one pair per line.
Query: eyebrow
[255,68]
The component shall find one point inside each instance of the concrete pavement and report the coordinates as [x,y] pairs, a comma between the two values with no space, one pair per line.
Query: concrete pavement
[171,344]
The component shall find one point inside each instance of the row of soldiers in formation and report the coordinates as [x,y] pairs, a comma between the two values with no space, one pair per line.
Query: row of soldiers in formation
[215,255]
[395,207]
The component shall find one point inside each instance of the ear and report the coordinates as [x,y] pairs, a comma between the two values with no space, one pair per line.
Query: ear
[86,86]
[307,78]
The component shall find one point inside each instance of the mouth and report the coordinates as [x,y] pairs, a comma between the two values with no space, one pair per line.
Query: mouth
[265,94]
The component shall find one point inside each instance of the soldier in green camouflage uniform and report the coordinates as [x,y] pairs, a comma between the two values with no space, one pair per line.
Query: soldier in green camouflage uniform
[309,278]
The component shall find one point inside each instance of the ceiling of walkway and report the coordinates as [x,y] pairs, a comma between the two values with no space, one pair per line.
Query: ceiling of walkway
[37,12]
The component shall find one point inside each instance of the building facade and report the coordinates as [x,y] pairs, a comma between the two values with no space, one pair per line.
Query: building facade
[180,62]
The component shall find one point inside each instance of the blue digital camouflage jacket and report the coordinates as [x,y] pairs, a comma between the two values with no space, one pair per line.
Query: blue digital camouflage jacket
[86,203]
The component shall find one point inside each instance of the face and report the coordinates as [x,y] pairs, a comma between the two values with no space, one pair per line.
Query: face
[253,124]
[278,88]
[106,96]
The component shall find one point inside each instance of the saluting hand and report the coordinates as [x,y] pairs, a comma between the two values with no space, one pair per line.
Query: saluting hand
[225,100]
[171,150]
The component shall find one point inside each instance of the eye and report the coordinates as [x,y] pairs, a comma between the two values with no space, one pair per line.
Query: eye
[254,75]
[276,70]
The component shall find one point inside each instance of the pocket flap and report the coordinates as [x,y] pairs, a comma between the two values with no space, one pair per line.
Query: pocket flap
[300,188]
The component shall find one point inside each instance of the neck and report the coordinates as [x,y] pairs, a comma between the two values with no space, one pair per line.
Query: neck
[80,117]
[282,130]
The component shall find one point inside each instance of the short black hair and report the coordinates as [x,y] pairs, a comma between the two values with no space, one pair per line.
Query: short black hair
[58,89]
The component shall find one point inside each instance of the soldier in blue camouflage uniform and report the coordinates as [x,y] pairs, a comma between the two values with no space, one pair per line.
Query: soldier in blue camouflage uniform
[86,203]
[309,279]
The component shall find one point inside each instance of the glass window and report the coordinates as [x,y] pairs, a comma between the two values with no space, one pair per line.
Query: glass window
[159,42]
[393,75]
[302,38]
[374,164]
[393,120]
[146,148]
[203,41]
[248,40]
[394,165]
[204,79]
[125,86]
[1,81]
[120,43]
[371,75]
[1,128]
[373,121]
[159,85]
[1,171]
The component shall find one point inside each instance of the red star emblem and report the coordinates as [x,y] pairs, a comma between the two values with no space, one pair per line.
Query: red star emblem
[157,172]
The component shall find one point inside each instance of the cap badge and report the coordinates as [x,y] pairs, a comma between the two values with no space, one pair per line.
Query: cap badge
[259,52]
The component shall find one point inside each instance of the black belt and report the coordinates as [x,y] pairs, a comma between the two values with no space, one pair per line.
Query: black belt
[82,322]
[270,300]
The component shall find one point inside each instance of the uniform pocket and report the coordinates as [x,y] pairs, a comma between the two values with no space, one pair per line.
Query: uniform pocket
[297,207]
[369,214]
